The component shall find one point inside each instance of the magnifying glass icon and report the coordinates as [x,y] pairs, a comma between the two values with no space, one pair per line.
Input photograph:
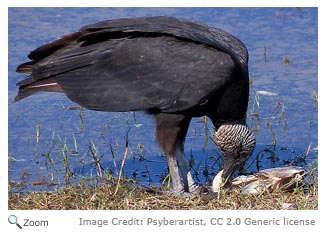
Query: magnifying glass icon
[12,219]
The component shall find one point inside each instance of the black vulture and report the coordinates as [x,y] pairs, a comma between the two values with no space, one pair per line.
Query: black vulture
[173,69]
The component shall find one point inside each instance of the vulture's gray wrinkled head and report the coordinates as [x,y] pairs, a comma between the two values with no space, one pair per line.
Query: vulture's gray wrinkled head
[237,143]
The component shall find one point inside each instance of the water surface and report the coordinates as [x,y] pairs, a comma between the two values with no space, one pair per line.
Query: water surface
[49,136]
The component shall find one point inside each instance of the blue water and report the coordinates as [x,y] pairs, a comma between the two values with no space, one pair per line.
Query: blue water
[66,135]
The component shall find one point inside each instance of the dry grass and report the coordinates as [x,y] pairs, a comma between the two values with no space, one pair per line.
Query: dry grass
[134,198]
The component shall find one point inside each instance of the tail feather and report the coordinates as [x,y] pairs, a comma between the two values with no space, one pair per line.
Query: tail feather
[29,87]
[23,94]
[26,67]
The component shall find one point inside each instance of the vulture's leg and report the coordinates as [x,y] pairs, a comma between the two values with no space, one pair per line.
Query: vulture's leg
[189,184]
[171,132]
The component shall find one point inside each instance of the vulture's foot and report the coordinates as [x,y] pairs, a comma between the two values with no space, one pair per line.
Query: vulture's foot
[194,191]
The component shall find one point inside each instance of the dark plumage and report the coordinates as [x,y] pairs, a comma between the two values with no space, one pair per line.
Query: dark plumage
[173,69]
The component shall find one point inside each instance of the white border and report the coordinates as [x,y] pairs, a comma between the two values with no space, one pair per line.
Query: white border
[66,221]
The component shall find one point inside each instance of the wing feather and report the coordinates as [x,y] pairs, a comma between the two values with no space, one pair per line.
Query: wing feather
[153,63]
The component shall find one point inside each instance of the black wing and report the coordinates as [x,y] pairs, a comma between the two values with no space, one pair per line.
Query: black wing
[137,64]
